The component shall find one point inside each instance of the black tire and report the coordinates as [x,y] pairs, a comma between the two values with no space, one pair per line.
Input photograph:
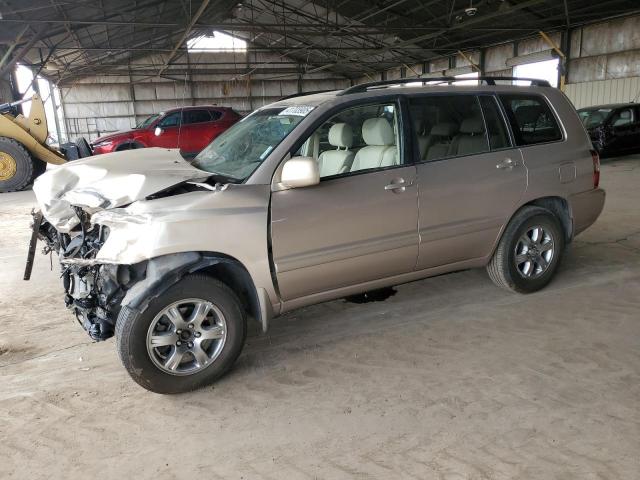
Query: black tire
[503,269]
[84,150]
[39,167]
[25,166]
[132,328]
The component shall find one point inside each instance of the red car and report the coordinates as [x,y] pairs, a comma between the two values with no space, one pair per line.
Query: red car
[188,128]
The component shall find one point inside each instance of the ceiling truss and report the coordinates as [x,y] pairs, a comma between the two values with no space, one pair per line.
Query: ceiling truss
[70,39]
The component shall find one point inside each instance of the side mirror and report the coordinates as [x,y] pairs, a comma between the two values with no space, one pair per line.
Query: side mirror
[158,131]
[300,172]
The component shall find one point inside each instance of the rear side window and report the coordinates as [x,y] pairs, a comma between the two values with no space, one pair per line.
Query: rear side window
[196,116]
[215,114]
[531,119]
[447,126]
[496,128]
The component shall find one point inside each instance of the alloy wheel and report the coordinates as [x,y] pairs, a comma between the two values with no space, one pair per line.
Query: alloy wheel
[186,336]
[534,252]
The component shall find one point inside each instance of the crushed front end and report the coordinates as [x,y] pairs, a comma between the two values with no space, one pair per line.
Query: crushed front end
[93,291]
[71,197]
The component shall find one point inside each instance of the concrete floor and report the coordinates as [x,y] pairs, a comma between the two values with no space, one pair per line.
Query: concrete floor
[452,378]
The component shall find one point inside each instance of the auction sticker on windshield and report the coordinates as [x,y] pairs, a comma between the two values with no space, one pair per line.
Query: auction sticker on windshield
[299,111]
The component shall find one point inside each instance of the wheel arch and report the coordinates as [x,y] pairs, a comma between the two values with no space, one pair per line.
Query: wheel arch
[558,206]
[165,271]
[127,145]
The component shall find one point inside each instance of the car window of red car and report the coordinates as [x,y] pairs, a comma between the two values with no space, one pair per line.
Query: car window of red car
[171,120]
[196,116]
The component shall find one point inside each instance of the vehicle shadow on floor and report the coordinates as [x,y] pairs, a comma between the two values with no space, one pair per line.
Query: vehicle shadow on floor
[309,329]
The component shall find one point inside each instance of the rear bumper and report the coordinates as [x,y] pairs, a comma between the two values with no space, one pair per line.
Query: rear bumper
[586,208]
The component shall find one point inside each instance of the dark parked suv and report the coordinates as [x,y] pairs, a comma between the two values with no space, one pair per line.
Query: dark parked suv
[310,199]
[613,129]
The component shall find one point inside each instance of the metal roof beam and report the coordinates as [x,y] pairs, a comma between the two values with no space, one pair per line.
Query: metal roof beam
[183,38]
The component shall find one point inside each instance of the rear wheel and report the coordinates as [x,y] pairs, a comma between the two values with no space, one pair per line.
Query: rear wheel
[185,338]
[529,251]
[17,167]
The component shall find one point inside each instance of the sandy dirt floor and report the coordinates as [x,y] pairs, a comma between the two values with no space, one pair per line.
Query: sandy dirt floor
[451,378]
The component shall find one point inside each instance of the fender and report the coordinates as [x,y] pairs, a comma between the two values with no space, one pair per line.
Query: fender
[165,271]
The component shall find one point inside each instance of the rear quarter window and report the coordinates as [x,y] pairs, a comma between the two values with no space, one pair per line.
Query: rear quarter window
[531,119]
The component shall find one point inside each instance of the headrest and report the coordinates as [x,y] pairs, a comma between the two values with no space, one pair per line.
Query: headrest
[472,126]
[341,135]
[377,131]
[418,125]
[444,129]
[526,114]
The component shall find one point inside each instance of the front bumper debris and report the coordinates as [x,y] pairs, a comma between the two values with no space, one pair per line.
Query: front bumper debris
[92,291]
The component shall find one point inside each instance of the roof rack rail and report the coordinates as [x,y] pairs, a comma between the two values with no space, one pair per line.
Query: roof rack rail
[363,87]
[304,94]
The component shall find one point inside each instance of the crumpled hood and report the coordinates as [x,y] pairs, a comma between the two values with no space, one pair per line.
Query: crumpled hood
[109,181]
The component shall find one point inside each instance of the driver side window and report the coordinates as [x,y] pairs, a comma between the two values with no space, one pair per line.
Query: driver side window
[171,120]
[356,139]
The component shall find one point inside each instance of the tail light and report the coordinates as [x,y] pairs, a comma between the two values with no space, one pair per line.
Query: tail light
[596,168]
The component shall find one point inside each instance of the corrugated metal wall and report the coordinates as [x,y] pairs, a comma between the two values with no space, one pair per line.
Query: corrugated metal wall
[604,67]
[96,106]
[619,90]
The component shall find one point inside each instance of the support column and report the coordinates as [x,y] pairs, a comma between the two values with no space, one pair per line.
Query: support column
[55,111]
[132,93]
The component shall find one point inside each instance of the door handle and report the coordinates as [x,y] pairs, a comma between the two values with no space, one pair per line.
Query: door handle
[507,164]
[398,185]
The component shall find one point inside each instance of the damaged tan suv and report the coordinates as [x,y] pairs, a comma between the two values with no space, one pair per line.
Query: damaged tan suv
[309,199]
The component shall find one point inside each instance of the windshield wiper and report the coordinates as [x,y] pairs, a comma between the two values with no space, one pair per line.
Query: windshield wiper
[220,178]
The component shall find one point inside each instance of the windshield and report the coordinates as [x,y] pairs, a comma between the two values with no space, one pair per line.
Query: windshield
[148,121]
[594,116]
[240,150]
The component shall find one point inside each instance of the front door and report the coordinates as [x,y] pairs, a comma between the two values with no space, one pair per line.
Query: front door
[470,178]
[360,222]
[625,130]
[166,133]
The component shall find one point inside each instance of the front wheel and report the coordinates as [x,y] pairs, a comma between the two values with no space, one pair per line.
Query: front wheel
[17,168]
[529,251]
[185,338]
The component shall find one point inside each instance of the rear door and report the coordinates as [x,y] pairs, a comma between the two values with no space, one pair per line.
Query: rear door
[356,226]
[196,130]
[470,179]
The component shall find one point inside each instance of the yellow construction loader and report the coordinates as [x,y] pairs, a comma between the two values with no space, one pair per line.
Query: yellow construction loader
[24,153]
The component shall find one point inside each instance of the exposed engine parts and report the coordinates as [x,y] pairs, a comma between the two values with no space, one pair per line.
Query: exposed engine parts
[93,292]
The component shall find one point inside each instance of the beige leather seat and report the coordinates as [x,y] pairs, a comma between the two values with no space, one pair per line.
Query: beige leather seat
[424,141]
[333,162]
[380,151]
[471,138]
[440,137]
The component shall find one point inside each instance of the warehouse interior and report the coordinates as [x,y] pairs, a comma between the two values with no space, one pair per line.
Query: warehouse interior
[446,378]
[117,62]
